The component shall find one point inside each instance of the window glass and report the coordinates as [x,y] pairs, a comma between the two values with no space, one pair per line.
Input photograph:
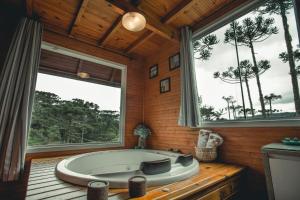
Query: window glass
[69,111]
[249,69]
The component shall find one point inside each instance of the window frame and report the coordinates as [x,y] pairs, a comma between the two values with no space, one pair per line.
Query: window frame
[221,21]
[94,59]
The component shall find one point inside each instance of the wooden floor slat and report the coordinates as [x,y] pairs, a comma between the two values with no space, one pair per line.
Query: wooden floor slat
[49,188]
[43,169]
[53,193]
[32,187]
[40,177]
[40,174]
[42,181]
[72,195]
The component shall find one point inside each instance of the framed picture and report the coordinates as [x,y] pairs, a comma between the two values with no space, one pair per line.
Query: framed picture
[153,71]
[174,61]
[165,85]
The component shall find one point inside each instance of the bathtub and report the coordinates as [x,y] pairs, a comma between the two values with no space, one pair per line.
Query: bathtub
[117,166]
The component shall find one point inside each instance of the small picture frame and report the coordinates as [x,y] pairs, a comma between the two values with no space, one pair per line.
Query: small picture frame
[174,61]
[153,71]
[165,85]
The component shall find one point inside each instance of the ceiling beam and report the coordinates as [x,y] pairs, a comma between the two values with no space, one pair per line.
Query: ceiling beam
[153,22]
[78,15]
[148,34]
[112,29]
[176,11]
[219,13]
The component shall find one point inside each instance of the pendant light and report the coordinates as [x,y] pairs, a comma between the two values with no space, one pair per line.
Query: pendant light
[133,21]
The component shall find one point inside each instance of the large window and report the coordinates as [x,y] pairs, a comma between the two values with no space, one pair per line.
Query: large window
[248,69]
[69,110]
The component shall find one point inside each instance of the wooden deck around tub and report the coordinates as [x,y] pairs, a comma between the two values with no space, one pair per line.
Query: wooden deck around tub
[215,181]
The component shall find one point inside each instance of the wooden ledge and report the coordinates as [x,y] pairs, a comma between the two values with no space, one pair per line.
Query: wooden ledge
[44,184]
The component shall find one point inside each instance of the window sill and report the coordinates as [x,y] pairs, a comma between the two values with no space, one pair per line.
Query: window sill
[71,147]
[253,124]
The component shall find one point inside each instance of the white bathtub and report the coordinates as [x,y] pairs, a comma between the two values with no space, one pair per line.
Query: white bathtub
[118,166]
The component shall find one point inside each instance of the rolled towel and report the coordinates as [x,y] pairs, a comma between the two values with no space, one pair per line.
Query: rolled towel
[203,138]
[214,140]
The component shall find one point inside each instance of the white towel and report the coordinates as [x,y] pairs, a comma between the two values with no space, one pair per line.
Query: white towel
[203,138]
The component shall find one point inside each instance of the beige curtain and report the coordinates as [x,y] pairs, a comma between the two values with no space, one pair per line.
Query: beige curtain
[17,85]
[189,115]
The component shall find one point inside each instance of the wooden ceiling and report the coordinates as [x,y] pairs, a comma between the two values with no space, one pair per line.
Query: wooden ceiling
[55,63]
[98,22]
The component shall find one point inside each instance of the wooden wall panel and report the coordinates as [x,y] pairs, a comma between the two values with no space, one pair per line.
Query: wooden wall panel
[242,145]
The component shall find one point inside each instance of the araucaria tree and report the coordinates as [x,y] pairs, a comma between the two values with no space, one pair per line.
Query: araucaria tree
[282,7]
[249,32]
[228,100]
[232,32]
[204,46]
[237,75]
[285,58]
[270,98]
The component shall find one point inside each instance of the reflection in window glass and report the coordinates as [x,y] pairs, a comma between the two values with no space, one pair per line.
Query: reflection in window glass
[249,68]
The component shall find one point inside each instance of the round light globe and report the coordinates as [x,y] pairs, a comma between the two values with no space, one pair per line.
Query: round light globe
[133,21]
[83,75]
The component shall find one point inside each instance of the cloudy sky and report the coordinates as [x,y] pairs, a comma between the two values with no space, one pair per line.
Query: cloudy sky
[108,98]
[276,80]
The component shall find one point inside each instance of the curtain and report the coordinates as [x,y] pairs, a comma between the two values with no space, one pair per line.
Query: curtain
[189,115]
[17,85]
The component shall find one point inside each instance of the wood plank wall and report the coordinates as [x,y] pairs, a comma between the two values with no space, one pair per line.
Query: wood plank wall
[242,145]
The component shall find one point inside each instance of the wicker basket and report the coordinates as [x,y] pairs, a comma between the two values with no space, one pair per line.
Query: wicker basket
[206,154]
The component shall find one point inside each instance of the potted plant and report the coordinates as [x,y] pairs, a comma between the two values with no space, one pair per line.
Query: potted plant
[143,132]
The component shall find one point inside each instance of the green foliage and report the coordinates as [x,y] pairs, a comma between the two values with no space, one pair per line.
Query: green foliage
[251,30]
[276,7]
[261,67]
[208,113]
[269,99]
[272,97]
[203,47]
[284,57]
[56,121]
[232,74]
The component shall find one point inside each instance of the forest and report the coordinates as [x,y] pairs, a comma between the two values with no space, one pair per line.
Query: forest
[247,33]
[57,121]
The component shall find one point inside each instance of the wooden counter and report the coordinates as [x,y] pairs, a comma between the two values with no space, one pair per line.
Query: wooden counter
[214,182]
